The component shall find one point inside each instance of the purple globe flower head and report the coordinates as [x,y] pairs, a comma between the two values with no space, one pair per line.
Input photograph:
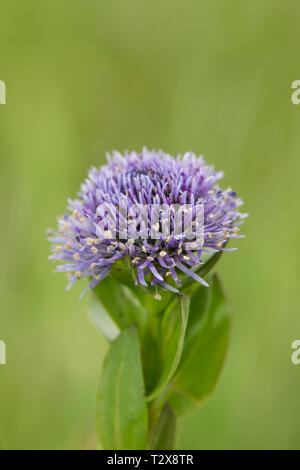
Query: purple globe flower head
[161,212]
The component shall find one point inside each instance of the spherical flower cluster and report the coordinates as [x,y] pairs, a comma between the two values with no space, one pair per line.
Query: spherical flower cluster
[127,208]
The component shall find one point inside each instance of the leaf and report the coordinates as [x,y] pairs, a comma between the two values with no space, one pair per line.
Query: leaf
[108,293]
[126,274]
[162,436]
[121,405]
[152,304]
[102,320]
[206,343]
[122,271]
[180,402]
[119,303]
[168,343]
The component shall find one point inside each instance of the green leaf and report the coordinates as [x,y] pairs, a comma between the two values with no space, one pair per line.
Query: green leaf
[126,274]
[205,345]
[179,401]
[168,344]
[122,416]
[108,293]
[117,302]
[162,436]
[152,304]
[102,320]
[122,271]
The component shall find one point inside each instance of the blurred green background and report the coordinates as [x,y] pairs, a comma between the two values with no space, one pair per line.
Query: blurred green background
[86,77]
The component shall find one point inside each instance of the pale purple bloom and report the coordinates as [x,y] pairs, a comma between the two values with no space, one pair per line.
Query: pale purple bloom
[88,244]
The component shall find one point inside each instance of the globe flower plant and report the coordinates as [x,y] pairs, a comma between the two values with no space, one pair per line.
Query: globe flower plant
[146,231]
